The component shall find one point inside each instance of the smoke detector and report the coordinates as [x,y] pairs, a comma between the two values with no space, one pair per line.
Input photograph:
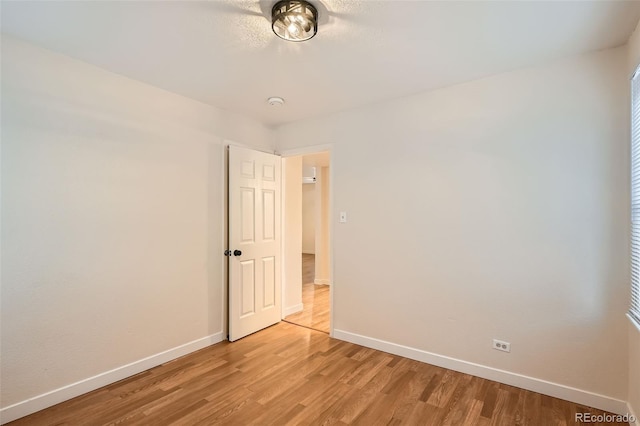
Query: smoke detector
[275,101]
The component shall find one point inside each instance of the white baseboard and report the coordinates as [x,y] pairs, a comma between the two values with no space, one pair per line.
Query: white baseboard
[633,413]
[530,383]
[322,282]
[292,310]
[56,396]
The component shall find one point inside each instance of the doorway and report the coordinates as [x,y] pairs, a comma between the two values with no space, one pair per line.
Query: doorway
[307,254]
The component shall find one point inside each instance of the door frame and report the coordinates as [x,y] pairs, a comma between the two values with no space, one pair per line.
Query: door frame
[307,151]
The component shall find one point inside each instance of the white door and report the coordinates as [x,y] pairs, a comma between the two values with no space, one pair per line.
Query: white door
[254,241]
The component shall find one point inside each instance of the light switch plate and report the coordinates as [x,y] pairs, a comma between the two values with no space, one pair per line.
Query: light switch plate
[343,217]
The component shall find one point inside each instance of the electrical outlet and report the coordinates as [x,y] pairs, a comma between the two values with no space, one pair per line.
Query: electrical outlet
[501,345]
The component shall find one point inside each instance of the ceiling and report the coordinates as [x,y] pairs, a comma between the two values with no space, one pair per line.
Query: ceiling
[224,53]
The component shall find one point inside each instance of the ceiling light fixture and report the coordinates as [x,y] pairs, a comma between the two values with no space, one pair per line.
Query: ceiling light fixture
[294,20]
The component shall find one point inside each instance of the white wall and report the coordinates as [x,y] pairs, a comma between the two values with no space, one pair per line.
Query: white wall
[309,218]
[292,192]
[633,51]
[634,333]
[492,209]
[111,219]
[322,274]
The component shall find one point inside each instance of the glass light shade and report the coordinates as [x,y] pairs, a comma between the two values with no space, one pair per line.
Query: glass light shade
[294,20]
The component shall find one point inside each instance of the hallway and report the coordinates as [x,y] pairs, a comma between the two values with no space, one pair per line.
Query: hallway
[315,299]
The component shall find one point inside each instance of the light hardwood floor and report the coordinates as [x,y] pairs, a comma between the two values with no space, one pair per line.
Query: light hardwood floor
[315,300]
[308,268]
[290,375]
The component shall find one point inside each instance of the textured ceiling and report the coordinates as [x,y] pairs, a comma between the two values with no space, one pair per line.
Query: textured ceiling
[224,53]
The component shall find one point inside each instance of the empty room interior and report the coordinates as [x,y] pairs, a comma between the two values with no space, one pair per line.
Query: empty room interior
[320,212]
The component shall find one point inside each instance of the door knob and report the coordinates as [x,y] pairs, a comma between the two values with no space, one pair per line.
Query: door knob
[237,253]
[227,252]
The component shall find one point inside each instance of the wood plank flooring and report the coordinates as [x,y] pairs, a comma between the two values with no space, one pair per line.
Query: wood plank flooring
[290,375]
[308,268]
[315,315]
[315,300]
